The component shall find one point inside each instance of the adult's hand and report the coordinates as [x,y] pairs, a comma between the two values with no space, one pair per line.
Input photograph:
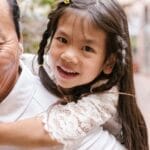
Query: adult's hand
[25,133]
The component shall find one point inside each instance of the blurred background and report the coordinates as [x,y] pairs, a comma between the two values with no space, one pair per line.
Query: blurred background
[34,20]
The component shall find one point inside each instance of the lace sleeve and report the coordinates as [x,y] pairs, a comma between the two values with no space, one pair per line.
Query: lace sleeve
[74,120]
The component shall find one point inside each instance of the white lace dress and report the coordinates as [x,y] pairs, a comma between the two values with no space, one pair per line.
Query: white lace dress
[73,123]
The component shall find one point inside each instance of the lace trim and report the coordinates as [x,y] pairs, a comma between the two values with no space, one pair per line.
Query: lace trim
[65,123]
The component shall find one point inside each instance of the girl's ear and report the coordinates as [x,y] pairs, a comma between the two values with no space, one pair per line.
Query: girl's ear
[109,64]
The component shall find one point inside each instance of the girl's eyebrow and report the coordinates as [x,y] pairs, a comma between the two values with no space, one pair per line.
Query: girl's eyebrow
[85,39]
[89,41]
[61,32]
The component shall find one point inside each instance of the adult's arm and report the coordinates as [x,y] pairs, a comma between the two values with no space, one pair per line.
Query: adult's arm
[25,133]
[30,133]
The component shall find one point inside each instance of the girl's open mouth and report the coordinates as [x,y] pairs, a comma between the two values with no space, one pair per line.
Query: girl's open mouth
[66,73]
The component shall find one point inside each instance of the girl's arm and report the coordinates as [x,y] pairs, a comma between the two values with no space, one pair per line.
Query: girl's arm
[74,120]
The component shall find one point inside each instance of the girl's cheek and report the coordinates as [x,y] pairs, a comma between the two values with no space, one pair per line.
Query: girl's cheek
[56,50]
[54,54]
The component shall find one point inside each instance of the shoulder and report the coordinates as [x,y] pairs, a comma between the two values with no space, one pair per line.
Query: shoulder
[109,97]
[30,60]
[42,95]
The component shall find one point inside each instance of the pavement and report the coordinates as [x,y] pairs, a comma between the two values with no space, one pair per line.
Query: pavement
[142,86]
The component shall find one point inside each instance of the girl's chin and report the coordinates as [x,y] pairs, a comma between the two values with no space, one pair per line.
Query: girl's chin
[65,84]
[67,87]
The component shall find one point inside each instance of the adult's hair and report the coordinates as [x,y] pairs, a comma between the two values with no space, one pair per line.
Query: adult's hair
[15,13]
[109,16]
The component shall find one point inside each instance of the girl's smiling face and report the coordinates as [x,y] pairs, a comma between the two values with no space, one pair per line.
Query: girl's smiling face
[77,50]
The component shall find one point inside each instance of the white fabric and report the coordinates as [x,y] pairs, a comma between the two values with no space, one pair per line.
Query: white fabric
[27,99]
[75,120]
[97,139]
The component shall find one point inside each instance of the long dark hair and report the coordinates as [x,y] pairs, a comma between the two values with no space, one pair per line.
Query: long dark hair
[109,16]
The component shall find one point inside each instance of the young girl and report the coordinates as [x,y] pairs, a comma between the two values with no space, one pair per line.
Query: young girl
[82,45]
[28,92]
[91,66]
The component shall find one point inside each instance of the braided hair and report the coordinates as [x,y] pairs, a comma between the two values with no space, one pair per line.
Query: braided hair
[109,16]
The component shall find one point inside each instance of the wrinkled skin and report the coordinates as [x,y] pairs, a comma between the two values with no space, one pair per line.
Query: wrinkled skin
[9,51]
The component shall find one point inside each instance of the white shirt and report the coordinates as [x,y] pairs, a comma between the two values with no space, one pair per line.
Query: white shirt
[27,99]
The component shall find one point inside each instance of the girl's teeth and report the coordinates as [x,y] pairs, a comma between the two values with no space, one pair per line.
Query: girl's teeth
[68,71]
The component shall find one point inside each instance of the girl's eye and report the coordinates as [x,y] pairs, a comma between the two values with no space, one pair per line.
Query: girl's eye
[88,49]
[62,40]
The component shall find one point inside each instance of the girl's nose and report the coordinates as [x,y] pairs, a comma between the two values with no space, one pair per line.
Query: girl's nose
[69,56]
